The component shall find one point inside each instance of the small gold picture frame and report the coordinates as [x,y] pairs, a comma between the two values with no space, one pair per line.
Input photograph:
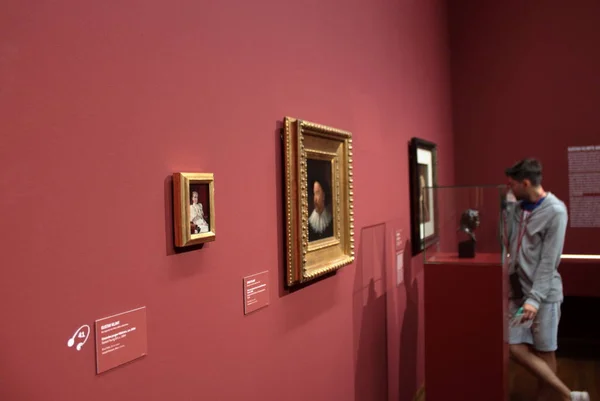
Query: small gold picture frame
[319,208]
[194,208]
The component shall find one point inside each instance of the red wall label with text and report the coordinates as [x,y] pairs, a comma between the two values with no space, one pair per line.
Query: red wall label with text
[120,339]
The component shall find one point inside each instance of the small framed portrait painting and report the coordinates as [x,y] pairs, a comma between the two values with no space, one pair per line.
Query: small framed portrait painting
[423,207]
[194,208]
[319,205]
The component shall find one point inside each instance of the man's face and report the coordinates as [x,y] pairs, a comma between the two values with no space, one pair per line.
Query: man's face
[519,188]
[318,197]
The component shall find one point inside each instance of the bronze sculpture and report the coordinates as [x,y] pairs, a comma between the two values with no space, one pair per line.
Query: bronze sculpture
[469,221]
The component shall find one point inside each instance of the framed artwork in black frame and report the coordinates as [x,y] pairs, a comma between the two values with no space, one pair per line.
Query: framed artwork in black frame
[424,225]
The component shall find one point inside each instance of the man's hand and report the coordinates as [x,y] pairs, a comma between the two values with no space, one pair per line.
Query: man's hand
[529,312]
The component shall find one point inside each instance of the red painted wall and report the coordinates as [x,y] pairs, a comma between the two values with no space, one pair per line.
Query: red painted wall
[525,83]
[100,104]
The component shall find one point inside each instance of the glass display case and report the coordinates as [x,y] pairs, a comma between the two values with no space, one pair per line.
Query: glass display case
[461,232]
[463,224]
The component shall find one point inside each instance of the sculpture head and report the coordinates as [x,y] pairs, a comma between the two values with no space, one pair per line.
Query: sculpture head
[469,220]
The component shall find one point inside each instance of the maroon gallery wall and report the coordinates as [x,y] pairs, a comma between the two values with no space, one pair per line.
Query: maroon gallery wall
[100,104]
[525,83]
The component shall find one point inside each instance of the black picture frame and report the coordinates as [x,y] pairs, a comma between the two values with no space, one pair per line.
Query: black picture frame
[420,242]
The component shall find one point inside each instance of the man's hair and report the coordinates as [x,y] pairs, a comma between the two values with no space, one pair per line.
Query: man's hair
[526,169]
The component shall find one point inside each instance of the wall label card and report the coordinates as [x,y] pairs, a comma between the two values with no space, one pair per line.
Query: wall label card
[399,243]
[399,267]
[584,186]
[120,339]
[256,292]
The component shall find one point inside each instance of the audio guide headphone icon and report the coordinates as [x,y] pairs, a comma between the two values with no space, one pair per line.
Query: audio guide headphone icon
[81,334]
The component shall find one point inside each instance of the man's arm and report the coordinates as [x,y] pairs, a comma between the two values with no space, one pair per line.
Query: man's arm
[552,248]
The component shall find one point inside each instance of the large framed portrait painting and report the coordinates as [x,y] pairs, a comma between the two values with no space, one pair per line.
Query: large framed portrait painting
[423,207]
[318,200]
[194,208]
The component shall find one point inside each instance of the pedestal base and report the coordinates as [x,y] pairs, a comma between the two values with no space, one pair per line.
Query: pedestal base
[454,368]
[466,249]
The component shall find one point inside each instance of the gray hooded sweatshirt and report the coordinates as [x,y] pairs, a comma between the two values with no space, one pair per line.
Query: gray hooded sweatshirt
[543,233]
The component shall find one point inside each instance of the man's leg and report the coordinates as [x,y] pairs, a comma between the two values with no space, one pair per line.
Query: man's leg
[540,338]
[538,367]
[545,391]
[544,331]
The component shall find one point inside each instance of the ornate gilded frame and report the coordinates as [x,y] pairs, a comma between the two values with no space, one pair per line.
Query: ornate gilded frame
[304,143]
[181,206]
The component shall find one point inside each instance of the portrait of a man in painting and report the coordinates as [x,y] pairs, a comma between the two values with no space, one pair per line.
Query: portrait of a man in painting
[320,213]
[425,216]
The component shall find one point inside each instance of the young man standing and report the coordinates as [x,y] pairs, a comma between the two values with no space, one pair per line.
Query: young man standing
[536,232]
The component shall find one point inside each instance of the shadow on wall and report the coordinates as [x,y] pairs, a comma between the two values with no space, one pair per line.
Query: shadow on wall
[369,313]
[386,318]
[409,333]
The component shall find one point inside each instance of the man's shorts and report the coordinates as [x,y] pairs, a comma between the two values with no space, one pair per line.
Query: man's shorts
[543,333]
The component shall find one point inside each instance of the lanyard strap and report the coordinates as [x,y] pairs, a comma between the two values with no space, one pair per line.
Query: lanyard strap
[521,233]
[523,222]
